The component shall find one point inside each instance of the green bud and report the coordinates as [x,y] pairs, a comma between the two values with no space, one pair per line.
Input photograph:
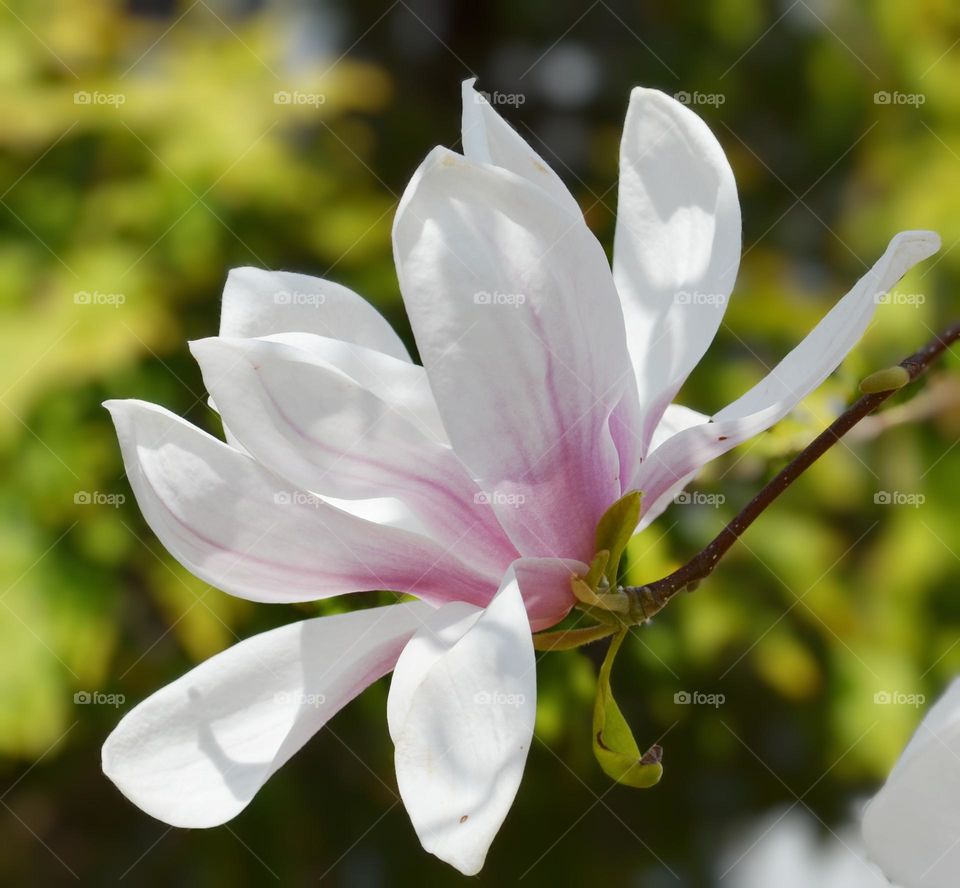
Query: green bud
[888,380]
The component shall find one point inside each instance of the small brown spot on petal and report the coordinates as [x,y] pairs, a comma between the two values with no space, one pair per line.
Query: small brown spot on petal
[723,438]
[464,818]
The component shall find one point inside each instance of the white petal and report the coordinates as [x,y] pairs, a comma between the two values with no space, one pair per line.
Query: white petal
[798,374]
[401,384]
[912,826]
[386,510]
[675,419]
[316,427]
[259,303]
[243,530]
[488,138]
[521,332]
[677,243]
[462,721]
[419,657]
[196,752]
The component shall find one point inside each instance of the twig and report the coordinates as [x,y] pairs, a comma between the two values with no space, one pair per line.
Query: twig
[647,600]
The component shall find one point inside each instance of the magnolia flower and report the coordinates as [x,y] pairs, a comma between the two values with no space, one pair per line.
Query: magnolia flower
[912,826]
[473,483]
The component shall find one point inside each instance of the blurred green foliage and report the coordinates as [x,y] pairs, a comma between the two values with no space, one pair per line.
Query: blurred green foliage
[119,220]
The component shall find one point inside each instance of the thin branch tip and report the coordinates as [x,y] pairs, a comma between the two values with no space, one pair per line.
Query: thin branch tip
[647,600]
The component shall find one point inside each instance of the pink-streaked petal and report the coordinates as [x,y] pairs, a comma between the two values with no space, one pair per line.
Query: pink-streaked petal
[677,243]
[312,425]
[520,329]
[462,724]
[243,530]
[545,587]
[197,751]
[259,303]
[798,374]
[488,138]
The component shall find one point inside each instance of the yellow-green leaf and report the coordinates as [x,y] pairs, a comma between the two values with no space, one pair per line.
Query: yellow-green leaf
[613,743]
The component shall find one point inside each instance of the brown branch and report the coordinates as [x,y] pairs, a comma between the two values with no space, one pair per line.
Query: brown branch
[647,600]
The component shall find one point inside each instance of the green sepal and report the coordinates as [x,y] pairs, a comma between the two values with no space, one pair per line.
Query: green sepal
[615,529]
[568,639]
[598,568]
[613,744]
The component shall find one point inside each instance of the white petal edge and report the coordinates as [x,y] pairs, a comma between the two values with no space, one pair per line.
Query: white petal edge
[462,723]
[798,374]
[257,302]
[911,826]
[197,751]
[488,138]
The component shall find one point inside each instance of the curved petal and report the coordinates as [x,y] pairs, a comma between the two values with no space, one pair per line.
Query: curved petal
[545,587]
[258,303]
[462,721]
[401,384]
[488,138]
[911,826]
[521,332]
[241,529]
[675,419]
[309,423]
[197,751]
[798,374]
[386,510]
[677,243]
